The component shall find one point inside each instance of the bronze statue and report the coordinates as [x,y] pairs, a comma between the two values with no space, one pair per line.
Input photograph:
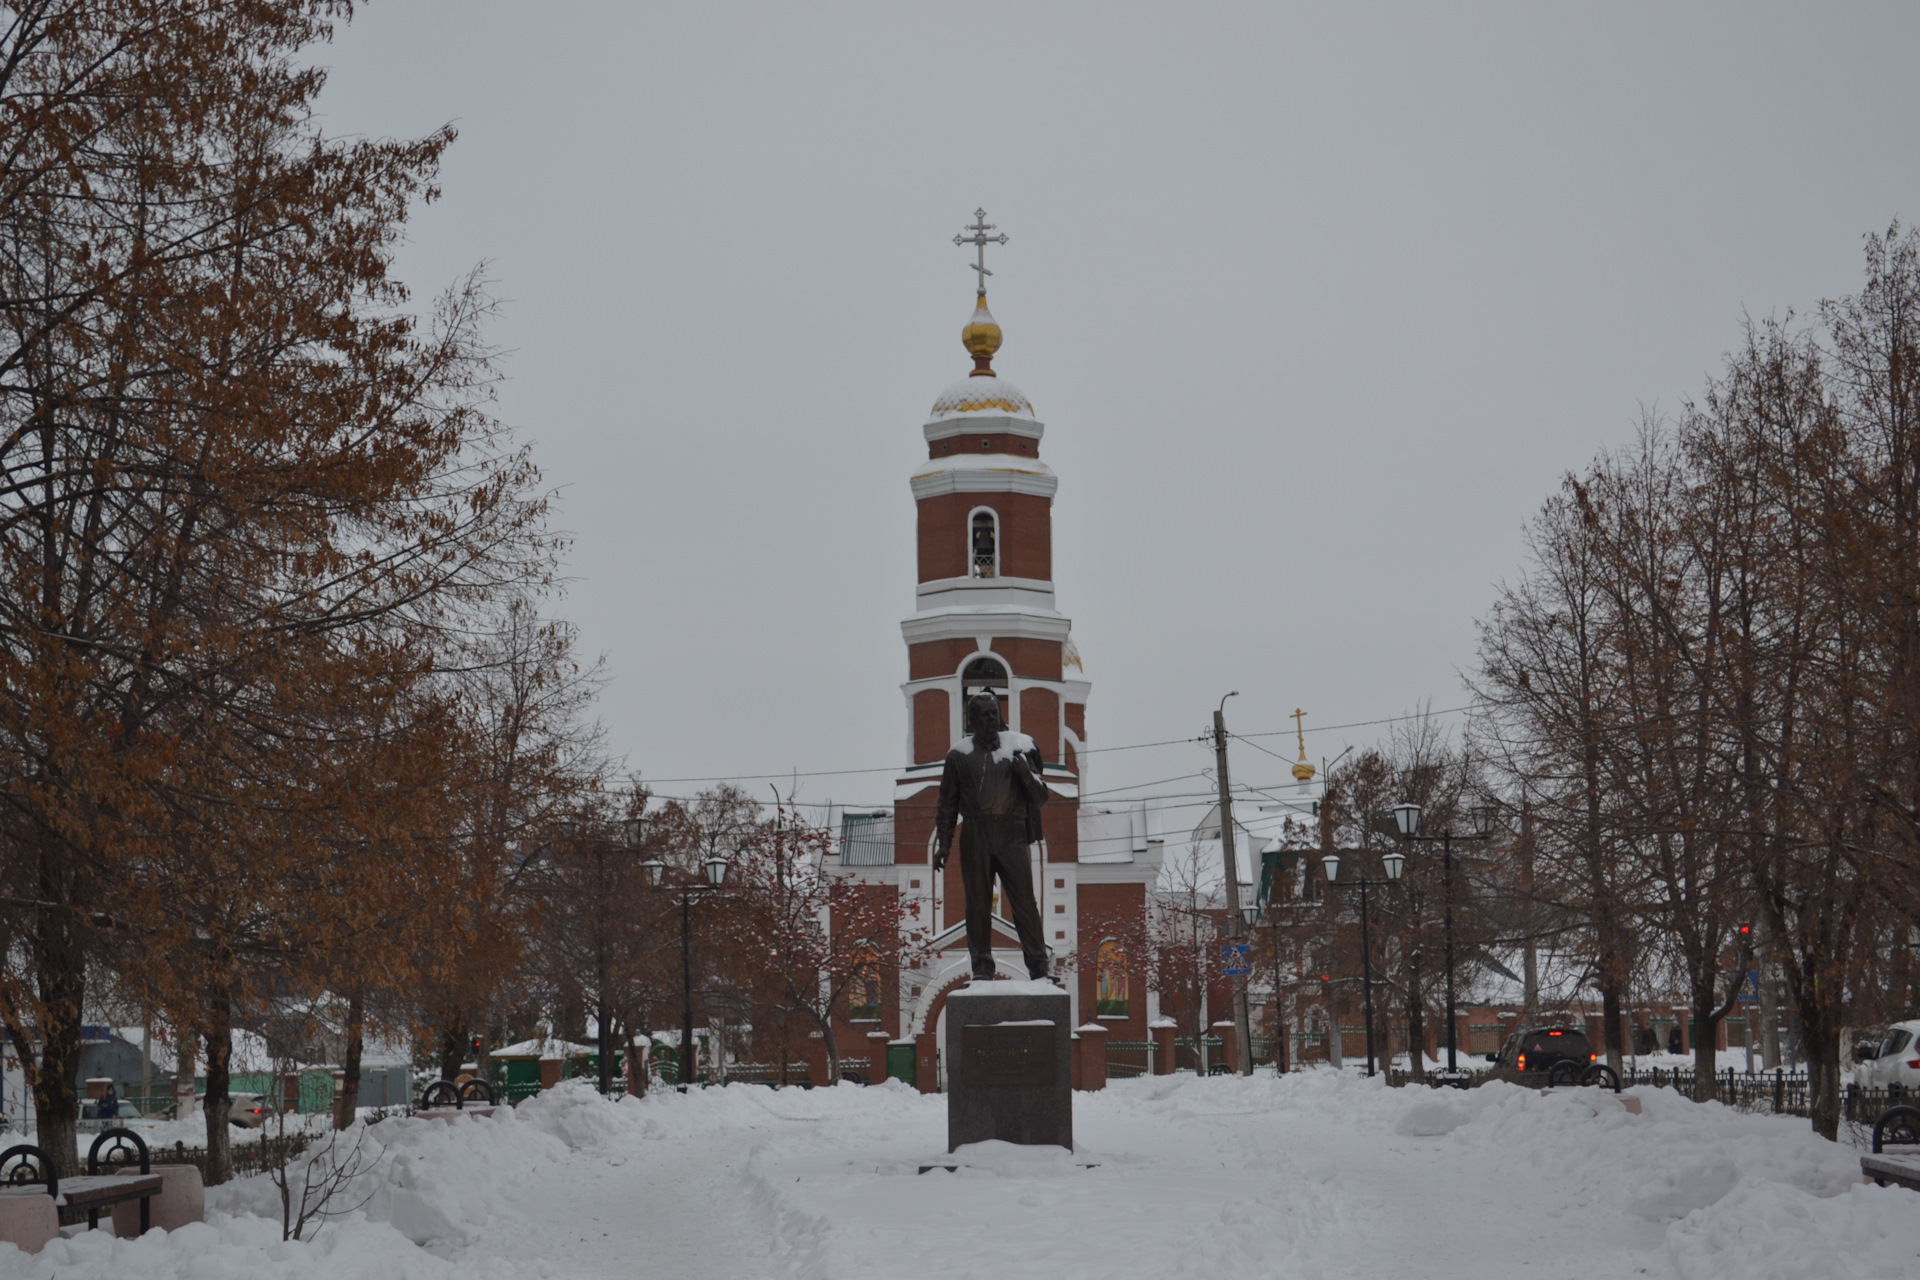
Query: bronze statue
[995,786]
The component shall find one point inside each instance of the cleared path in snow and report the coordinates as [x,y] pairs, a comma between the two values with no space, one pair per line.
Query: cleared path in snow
[670,1205]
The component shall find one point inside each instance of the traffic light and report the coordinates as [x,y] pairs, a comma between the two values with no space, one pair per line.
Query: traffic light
[1745,931]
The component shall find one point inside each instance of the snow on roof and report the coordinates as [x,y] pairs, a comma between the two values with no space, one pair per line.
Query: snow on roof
[990,395]
[547,1048]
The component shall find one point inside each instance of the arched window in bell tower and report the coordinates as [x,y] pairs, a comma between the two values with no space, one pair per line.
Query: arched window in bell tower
[983,541]
[987,673]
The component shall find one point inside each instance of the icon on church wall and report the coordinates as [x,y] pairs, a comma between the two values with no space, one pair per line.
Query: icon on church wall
[1110,990]
[863,999]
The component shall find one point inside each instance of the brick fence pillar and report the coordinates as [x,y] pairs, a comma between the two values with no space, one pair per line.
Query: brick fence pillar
[1162,1035]
[1224,1030]
[1093,1058]
[876,1056]
[550,1072]
[926,1062]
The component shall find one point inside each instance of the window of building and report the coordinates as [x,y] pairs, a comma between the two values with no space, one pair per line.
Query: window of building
[987,673]
[984,539]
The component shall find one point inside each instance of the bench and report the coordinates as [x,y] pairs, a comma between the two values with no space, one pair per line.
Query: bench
[445,1095]
[31,1173]
[1897,1126]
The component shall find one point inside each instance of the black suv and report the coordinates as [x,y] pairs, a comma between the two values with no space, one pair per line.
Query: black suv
[1544,1048]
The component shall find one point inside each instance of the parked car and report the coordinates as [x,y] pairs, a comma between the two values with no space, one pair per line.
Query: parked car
[251,1110]
[1542,1048]
[1892,1060]
[91,1121]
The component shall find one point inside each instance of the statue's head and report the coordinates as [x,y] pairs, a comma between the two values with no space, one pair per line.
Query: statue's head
[983,713]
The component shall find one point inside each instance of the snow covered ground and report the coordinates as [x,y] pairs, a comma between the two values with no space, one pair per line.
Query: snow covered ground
[1318,1175]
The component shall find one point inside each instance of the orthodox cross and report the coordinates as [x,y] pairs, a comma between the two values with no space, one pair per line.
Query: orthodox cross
[1302,772]
[980,240]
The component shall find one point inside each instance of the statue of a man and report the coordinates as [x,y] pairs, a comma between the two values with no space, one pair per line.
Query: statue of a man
[992,780]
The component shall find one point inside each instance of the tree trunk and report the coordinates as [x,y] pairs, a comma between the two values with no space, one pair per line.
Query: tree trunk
[1769,997]
[62,972]
[453,1048]
[350,1064]
[219,1104]
[1416,1025]
[1706,1063]
[56,1095]
[832,1046]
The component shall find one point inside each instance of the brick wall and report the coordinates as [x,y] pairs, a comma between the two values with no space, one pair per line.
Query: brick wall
[1040,720]
[1026,534]
[932,725]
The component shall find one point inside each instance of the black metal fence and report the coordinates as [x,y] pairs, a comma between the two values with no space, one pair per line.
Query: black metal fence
[269,1152]
[1778,1092]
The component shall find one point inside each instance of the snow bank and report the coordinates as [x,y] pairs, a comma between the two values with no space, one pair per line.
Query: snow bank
[1319,1174]
[1752,1197]
[428,1189]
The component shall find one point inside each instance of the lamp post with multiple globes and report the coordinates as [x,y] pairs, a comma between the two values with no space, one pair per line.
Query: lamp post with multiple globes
[716,871]
[1394,862]
[1406,819]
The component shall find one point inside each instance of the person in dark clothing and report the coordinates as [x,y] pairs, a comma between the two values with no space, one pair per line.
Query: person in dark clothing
[992,782]
[109,1106]
[1673,1039]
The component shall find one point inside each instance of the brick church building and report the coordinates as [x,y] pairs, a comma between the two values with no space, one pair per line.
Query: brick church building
[985,617]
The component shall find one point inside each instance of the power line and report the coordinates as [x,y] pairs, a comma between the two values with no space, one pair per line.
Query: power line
[1090,751]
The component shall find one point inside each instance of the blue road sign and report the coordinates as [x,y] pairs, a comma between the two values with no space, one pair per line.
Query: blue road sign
[1233,960]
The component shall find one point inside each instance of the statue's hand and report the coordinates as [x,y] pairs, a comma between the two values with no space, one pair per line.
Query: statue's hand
[940,858]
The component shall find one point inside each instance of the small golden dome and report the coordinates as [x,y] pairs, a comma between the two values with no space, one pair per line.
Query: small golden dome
[981,338]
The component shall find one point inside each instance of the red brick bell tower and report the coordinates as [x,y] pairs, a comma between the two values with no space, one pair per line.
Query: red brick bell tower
[984,613]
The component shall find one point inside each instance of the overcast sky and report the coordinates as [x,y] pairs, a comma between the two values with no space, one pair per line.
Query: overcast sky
[1316,304]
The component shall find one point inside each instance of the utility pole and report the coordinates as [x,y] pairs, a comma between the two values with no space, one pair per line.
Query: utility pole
[1243,1040]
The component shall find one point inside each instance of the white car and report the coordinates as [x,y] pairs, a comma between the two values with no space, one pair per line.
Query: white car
[1895,1060]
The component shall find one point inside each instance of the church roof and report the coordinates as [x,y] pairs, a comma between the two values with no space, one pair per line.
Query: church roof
[989,395]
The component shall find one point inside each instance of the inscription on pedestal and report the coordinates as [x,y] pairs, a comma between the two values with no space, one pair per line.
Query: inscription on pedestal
[1008,1045]
[1009,1055]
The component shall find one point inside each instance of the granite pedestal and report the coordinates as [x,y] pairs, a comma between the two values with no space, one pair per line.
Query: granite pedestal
[1008,1074]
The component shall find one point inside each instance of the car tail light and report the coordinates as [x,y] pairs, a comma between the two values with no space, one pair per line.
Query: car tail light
[1915,1063]
[1553,1033]
[1593,1057]
[1523,1062]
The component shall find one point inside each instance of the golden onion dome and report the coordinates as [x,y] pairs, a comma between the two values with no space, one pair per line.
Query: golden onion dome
[990,395]
[981,338]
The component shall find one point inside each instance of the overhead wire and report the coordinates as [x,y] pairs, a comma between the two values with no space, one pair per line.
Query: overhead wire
[1090,751]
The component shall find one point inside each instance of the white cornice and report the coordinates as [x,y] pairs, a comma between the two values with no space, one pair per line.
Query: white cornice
[1034,593]
[984,473]
[964,622]
[983,425]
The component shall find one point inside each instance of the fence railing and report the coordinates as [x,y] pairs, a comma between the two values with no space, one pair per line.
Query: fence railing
[269,1152]
[1777,1092]
[1129,1058]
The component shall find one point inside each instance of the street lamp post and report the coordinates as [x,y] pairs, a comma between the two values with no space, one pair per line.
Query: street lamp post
[716,869]
[1395,862]
[1406,818]
[1250,915]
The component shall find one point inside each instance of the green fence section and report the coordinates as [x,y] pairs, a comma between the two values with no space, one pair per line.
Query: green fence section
[313,1094]
[1129,1058]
